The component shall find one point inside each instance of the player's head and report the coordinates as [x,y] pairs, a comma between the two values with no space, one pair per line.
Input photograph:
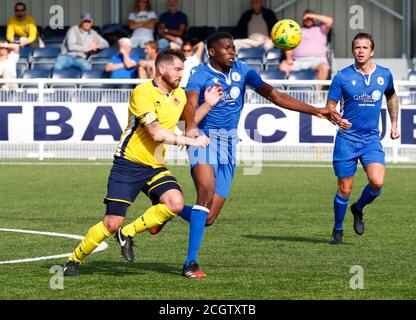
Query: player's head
[363,47]
[221,50]
[308,22]
[169,67]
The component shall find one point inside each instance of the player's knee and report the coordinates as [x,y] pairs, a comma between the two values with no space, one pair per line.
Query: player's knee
[175,204]
[112,225]
[344,190]
[377,185]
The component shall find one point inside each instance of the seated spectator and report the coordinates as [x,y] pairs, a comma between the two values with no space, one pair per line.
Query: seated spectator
[142,21]
[123,65]
[172,26]
[254,28]
[312,51]
[147,66]
[193,56]
[80,42]
[22,28]
[8,62]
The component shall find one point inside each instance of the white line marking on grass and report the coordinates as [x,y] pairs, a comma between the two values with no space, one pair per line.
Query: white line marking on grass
[101,247]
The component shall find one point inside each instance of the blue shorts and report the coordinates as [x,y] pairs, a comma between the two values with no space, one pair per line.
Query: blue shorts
[127,179]
[221,155]
[348,152]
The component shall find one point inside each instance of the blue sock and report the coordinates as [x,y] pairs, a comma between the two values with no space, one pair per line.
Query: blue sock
[186,213]
[196,232]
[340,208]
[367,197]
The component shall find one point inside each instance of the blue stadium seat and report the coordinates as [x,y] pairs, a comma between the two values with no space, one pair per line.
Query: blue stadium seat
[227,29]
[115,28]
[105,54]
[49,33]
[302,75]
[25,54]
[43,65]
[273,59]
[272,75]
[21,67]
[94,74]
[253,56]
[71,73]
[98,65]
[35,74]
[197,34]
[256,66]
[139,51]
[45,54]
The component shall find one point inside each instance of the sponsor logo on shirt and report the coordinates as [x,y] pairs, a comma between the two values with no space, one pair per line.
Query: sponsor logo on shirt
[235,92]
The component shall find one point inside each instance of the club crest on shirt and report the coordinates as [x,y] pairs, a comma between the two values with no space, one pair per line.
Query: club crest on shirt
[376,95]
[176,101]
[380,81]
[236,76]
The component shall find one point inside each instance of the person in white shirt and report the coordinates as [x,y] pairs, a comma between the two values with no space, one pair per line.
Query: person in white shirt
[193,55]
[8,62]
[142,21]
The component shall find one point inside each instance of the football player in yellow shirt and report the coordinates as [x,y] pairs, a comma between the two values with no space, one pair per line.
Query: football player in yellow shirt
[154,110]
[22,27]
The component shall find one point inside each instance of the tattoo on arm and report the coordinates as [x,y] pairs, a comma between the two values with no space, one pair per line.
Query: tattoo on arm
[393,108]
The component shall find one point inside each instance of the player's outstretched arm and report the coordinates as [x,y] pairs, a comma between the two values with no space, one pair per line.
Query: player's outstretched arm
[393,107]
[188,114]
[285,101]
[159,134]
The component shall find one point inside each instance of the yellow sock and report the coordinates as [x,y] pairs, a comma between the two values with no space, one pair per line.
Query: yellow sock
[92,240]
[154,216]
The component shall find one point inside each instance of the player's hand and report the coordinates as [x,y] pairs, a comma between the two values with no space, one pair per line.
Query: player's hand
[344,124]
[201,141]
[394,133]
[330,114]
[213,95]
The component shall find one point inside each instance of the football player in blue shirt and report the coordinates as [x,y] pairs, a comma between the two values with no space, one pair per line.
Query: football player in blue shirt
[213,168]
[360,88]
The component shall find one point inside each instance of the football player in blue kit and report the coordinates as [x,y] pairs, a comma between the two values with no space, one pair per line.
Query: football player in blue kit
[360,88]
[213,169]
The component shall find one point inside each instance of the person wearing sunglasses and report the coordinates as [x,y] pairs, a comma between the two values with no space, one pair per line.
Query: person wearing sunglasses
[22,28]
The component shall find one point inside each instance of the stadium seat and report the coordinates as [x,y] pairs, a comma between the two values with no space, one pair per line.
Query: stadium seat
[115,28]
[43,65]
[256,66]
[273,59]
[35,74]
[45,54]
[105,54]
[253,57]
[139,51]
[98,65]
[302,75]
[197,34]
[94,74]
[49,33]
[412,75]
[3,30]
[227,29]
[25,54]
[21,67]
[66,74]
[272,75]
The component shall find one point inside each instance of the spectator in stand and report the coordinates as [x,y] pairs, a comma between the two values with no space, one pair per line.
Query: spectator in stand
[22,28]
[193,55]
[142,21]
[172,26]
[147,66]
[123,65]
[8,62]
[312,51]
[254,27]
[80,42]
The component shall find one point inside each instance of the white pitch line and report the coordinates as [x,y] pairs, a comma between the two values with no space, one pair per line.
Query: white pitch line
[101,247]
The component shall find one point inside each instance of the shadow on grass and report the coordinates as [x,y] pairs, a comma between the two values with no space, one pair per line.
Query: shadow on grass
[115,268]
[289,239]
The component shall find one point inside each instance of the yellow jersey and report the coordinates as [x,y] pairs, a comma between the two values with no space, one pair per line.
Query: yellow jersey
[148,104]
[26,28]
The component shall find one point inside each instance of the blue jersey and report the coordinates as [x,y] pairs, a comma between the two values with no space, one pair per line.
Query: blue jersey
[361,99]
[226,113]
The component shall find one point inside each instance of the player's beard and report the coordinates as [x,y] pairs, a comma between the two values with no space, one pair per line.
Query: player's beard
[171,82]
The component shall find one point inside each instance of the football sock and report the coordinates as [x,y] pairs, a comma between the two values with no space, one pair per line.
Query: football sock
[367,197]
[186,213]
[154,216]
[196,232]
[340,208]
[92,240]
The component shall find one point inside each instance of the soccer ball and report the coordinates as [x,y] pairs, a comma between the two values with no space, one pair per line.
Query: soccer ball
[286,34]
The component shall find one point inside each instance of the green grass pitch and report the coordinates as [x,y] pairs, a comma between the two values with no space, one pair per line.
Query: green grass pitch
[270,241]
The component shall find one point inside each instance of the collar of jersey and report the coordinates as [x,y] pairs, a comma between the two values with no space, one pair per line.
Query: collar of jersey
[167,95]
[367,81]
[227,78]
